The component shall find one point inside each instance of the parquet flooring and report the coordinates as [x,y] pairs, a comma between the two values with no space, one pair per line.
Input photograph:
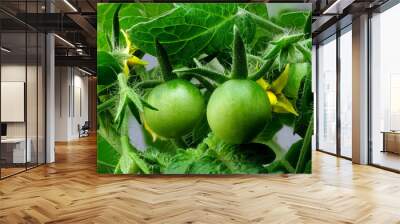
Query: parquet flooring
[70,191]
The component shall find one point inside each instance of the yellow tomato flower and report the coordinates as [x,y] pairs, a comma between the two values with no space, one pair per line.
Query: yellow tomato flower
[130,49]
[278,101]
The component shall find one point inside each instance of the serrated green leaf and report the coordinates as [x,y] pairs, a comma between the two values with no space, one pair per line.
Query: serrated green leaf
[105,26]
[305,103]
[108,68]
[189,29]
[294,19]
[258,9]
[107,156]
[133,13]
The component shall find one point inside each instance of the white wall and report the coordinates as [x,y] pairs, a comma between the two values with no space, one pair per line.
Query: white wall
[70,83]
[33,127]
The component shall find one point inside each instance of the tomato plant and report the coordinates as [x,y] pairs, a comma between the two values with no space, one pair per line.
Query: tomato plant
[211,87]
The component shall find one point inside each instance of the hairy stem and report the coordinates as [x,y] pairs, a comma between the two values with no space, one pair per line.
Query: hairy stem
[288,39]
[103,106]
[305,148]
[148,84]
[266,24]
[263,70]
[304,51]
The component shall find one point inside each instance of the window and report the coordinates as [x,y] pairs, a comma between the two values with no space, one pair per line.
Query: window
[327,95]
[346,92]
[385,89]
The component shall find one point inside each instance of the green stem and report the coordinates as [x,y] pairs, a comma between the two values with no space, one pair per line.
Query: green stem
[304,51]
[305,148]
[100,88]
[263,70]
[148,84]
[266,24]
[288,39]
[204,82]
[122,81]
[270,58]
[191,72]
[165,64]
[239,60]
[103,106]
[117,169]
[272,52]
[287,165]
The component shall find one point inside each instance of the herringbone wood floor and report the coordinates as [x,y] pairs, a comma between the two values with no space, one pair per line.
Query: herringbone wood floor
[70,191]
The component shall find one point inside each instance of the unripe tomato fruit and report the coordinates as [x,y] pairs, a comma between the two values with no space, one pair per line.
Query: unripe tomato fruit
[238,110]
[180,105]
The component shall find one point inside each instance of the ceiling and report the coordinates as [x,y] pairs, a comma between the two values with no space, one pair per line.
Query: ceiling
[75,22]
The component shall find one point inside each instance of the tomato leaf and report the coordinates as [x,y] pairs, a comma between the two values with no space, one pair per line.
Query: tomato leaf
[107,156]
[296,74]
[305,103]
[108,68]
[105,26]
[188,30]
[294,19]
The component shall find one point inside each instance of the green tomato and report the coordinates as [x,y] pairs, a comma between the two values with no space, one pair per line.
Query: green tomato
[180,105]
[238,110]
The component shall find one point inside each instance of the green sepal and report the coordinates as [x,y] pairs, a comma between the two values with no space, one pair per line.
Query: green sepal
[116,27]
[163,61]
[239,59]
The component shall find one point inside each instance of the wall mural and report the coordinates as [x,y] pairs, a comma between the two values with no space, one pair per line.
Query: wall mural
[204,88]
